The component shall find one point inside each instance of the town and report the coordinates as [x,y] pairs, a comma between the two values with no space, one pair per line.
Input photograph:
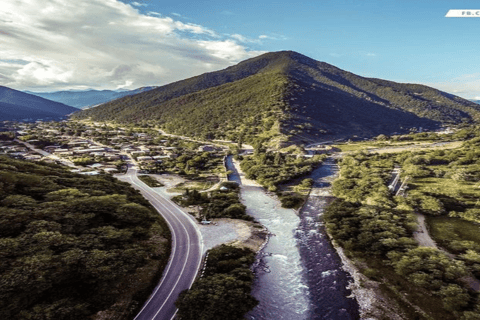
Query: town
[96,148]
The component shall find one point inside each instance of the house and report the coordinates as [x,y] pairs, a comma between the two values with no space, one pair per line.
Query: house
[90,173]
[144,158]
[60,150]
[110,170]
[89,151]
[66,153]
[137,153]
[77,143]
[113,157]
[33,157]
[160,157]
[206,148]
[51,148]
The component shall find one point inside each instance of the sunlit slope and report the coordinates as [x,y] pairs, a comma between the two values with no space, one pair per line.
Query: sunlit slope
[286,95]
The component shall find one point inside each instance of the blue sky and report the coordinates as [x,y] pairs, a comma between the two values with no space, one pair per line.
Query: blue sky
[153,42]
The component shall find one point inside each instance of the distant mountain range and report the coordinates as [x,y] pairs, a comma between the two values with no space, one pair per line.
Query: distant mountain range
[290,98]
[476,101]
[87,98]
[17,105]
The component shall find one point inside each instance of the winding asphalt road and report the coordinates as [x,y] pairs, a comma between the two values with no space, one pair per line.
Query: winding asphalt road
[185,259]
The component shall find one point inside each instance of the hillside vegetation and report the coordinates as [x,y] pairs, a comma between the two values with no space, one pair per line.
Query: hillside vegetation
[285,96]
[72,246]
[377,228]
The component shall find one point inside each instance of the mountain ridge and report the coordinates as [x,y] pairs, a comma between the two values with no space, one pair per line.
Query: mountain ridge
[86,98]
[287,97]
[16,105]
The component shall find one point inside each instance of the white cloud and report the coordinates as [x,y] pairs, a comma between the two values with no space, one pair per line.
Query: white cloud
[62,44]
[466,86]
[272,37]
[138,4]
[227,49]
[244,39]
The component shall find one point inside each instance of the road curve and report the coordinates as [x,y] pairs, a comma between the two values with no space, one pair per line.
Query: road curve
[185,259]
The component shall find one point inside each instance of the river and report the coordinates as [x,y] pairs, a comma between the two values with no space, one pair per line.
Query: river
[299,276]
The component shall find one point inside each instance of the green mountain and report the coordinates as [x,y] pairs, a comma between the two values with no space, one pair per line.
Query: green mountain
[286,96]
[17,105]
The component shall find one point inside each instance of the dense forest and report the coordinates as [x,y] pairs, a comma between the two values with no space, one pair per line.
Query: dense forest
[75,247]
[377,228]
[221,203]
[273,170]
[287,97]
[223,292]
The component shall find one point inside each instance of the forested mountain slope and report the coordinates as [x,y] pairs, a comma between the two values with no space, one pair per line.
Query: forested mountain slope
[73,245]
[16,105]
[289,96]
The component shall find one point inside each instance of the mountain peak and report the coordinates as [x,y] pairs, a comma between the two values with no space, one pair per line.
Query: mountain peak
[287,96]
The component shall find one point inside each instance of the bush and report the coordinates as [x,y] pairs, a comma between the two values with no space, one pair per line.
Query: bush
[292,201]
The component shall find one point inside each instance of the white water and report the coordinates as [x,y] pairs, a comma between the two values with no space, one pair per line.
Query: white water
[300,275]
[282,292]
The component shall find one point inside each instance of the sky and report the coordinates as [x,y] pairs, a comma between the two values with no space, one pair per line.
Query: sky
[51,45]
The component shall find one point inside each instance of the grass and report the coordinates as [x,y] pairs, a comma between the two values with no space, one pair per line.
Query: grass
[355,146]
[445,186]
[192,185]
[149,181]
[419,147]
[445,229]
[395,146]
[448,190]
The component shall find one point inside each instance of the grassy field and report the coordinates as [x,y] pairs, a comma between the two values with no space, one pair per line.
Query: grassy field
[151,182]
[193,185]
[444,229]
[464,191]
[400,146]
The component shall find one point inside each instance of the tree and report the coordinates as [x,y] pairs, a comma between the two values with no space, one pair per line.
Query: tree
[431,205]
[217,297]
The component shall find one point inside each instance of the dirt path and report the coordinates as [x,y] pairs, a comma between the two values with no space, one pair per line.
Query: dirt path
[424,240]
[421,235]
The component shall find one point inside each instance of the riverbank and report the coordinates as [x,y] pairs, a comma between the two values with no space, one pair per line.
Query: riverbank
[235,232]
[279,283]
[372,303]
